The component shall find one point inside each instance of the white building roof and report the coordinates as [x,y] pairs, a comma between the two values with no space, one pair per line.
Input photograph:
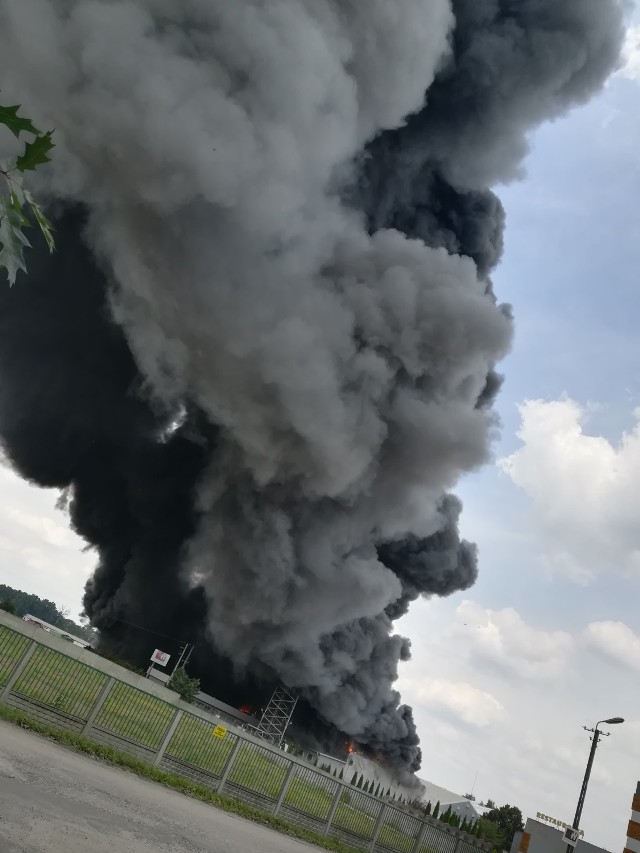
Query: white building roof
[460,805]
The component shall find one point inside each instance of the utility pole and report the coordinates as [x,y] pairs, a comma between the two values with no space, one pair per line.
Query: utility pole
[186,647]
[597,734]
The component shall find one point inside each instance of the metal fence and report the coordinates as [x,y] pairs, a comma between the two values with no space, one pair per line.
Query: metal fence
[57,689]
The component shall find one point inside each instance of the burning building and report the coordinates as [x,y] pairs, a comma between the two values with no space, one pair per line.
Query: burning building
[265,349]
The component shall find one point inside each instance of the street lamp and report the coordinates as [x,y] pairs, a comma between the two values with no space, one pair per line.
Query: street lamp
[597,734]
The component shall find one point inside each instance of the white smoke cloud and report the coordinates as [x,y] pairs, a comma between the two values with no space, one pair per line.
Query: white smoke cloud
[583,488]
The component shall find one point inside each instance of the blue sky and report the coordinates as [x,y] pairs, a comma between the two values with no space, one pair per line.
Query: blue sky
[504,675]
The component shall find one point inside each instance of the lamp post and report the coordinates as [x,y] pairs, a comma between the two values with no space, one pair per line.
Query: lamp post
[597,734]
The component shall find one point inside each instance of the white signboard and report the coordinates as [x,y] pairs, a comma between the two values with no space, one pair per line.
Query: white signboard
[571,836]
[159,657]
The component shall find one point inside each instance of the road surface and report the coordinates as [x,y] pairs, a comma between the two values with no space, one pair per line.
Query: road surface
[53,800]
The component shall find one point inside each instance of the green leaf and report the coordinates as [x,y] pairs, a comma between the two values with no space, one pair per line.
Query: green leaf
[12,240]
[41,219]
[16,124]
[36,153]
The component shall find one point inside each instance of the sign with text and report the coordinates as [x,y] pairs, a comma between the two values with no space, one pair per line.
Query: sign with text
[559,823]
[219,731]
[161,658]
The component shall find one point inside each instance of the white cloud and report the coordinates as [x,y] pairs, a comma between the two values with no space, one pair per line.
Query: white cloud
[503,639]
[583,489]
[616,642]
[470,704]
[631,55]
[39,553]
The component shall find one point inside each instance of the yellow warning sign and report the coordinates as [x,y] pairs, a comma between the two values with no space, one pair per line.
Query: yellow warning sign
[219,731]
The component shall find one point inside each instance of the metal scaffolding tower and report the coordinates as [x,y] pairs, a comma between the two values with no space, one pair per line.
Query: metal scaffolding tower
[277,715]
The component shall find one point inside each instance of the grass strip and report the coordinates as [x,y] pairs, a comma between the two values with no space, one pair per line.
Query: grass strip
[116,758]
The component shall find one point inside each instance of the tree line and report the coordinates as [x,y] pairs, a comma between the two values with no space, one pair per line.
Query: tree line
[20,603]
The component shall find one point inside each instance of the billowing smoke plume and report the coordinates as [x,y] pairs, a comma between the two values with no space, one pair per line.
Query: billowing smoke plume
[264,350]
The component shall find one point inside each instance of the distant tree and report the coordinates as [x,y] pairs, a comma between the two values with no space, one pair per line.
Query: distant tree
[464,825]
[469,797]
[508,819]
[490,804]
[491,832]
[46,610]
[447,814]
[388,792]
[187,687]
[341,776]
[360,781]
[377,791]
[335,772]
[436,811]
[365,787]
[354,779]
[7,605]
[427,809]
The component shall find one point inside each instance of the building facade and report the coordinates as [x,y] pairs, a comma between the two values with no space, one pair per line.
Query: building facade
[540,837]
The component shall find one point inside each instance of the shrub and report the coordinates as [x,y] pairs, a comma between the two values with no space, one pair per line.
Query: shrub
[187,687]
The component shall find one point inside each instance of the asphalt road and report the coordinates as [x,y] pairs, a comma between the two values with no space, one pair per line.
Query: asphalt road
[53,800]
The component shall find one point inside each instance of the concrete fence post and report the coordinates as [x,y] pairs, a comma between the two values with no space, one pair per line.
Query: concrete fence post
[378,827]
[98,706]
[229,765]
[18,670]
[167,738]
[420,839]
[458,846]
[334,807]
[284,789]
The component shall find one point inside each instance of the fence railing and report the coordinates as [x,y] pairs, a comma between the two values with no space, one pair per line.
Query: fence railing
[58,689]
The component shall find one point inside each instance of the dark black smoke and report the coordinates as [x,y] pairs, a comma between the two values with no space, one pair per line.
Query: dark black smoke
[265,347]
[434,565]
